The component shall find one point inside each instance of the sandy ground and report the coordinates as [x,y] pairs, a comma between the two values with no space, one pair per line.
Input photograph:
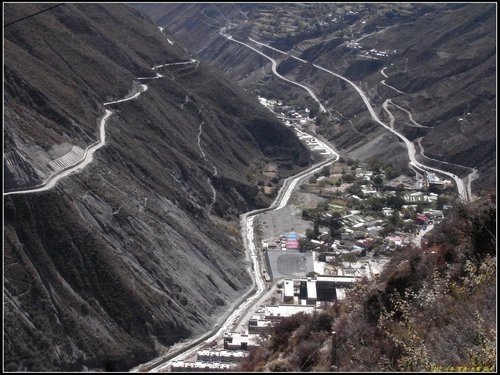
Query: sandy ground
[276,223]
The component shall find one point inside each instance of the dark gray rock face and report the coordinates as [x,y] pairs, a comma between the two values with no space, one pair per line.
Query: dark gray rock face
[132,254]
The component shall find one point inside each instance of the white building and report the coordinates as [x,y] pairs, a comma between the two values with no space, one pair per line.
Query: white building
[200,366]
[239,341]
[288,291]
[312,296]
[221,355]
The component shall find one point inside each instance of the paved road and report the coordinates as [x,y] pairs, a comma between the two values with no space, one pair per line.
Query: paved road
[392,87]
[410,116]
[88,156]
[134,95]
[79,165]
[418,238]
[273,67]
[461,185]
[248,301]
[244,307]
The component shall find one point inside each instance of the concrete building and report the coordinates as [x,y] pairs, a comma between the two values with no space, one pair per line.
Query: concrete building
[341,281]
[288,291]
[394,241]
[422,219]
[312,296]
[283,311]
[315,292]
[200,366]
[239,341]
[291,241]
[223,356]
[257,325]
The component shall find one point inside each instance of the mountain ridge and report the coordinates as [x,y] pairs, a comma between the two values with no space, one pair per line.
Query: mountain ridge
[134,252]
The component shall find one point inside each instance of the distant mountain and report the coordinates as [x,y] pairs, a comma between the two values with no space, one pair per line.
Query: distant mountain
[440,60]
[142,248]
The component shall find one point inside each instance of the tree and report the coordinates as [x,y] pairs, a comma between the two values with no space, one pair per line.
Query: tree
[409,227]
[316,229]
[376,166]
[387,229]
[395,219]
[335,224]
[313,180]
[349,178]
[336,233]
[420,207]
[407,213]
[378,180]
[349,257]
[375,204]
[325,171]
[336,215]
[391,173]
[309,234]
[441,200]
[395,202]
[400,188]
[436,189]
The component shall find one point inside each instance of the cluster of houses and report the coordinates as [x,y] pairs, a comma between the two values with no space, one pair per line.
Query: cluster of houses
[433,179]
[317,292]
[360,230]
[290,116]
[235,350]
[376,53]
[302,295]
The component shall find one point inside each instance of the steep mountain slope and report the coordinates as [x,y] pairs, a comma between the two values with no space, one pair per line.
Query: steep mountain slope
[131,254]
[439,60]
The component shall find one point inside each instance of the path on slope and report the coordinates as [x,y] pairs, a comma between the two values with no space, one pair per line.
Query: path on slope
[273,67]
[467,180]
[88,156]
[214,192]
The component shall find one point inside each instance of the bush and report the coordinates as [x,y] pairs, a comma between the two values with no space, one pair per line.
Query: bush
[349,178]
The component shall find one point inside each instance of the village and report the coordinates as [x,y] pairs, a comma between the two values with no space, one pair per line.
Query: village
[342,225]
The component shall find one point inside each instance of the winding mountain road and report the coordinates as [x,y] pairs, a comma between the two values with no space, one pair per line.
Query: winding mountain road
[273,67]
[258,289]
[410,117]
[88,156]
[462,184]
[258,285]
[247,219]
[391,87]
[76,167]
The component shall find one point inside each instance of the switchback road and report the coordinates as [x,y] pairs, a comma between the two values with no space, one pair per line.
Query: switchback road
[88,156]
[462,184]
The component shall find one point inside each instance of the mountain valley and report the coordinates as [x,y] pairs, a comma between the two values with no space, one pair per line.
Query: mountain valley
[141,248]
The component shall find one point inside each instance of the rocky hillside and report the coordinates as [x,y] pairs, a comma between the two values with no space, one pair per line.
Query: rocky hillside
[439,60]
[142,248]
